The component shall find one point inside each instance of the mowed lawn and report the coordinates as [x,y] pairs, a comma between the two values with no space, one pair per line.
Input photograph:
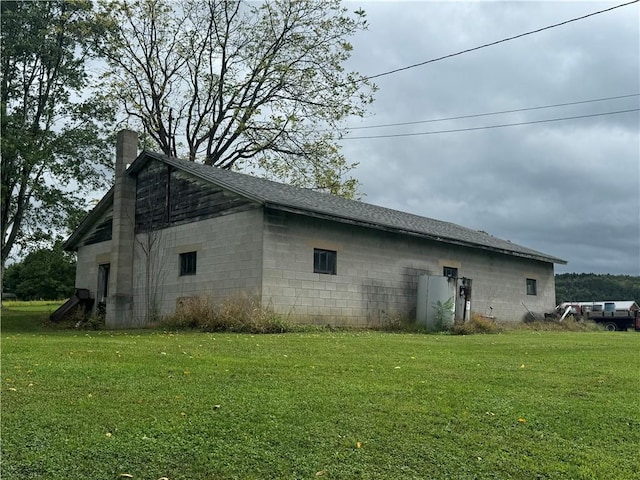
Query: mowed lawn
[335,405]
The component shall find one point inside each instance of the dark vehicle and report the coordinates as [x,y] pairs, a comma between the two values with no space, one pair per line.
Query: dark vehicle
[622,315]
[615,318]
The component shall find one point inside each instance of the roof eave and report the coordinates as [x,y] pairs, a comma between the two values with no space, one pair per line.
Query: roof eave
[103,205]
[436,238]
[71,243]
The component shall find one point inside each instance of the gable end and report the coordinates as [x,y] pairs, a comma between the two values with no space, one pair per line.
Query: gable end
[167,196]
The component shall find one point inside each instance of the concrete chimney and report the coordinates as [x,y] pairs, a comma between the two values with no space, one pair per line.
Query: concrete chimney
[119,312]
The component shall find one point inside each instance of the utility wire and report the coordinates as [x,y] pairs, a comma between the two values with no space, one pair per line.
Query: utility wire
[476,115]
[390,72]
[499,41]
[487,127]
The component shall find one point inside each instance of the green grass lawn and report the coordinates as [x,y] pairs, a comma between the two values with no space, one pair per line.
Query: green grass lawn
[19,316]
[345,405]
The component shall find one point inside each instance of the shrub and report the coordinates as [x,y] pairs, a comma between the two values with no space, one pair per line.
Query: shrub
[443,314]
[191,312]
[91,322]
[78,319]
[477,324]
[236,314]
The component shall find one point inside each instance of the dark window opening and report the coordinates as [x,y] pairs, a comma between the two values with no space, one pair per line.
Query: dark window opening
[188,263]
[450,272]
[324,261]
[532,287]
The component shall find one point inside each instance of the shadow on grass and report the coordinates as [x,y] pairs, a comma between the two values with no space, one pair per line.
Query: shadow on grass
[16,321]
[16,317]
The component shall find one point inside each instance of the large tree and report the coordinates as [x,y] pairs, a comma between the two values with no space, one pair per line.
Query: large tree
[46,274]
[257,85]
[53,149]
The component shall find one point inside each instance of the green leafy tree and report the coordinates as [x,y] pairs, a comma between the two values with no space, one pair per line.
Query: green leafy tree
[47,274]
[260,86]
[53,145]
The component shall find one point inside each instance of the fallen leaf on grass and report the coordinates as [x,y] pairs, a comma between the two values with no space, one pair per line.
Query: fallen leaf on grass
[320,473]
[358,444]
[522,420]
[125,475]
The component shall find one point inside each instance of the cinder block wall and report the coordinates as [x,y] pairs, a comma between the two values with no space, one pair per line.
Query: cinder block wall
[229,261]
[377,273]
[499,286]
[88,258]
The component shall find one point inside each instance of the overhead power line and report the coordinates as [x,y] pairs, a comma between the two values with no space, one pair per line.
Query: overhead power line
[487,127]
[499,41]
[476,115]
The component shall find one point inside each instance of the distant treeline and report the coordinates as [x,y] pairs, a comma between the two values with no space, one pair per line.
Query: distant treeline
[585,287]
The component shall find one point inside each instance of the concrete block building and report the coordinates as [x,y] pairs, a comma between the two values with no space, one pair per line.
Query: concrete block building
[171,229]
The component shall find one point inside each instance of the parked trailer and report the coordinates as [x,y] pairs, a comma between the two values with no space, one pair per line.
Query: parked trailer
[614,315]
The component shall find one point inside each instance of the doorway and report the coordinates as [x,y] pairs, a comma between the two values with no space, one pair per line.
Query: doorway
[103,283]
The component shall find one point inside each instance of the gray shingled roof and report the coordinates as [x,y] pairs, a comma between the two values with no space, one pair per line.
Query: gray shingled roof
[309,202]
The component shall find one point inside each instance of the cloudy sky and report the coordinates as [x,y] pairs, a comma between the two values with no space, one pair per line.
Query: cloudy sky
[567,188]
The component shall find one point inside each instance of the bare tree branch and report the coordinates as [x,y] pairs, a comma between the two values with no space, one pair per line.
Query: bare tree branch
[239,83]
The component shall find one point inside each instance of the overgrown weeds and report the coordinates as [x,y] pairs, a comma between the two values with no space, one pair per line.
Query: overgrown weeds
[398,324]
[483,325]
[242,314]
[569,324]
[478,324]
[77,319]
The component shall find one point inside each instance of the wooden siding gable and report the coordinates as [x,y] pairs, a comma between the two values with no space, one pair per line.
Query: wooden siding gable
[100,231]
[167,196]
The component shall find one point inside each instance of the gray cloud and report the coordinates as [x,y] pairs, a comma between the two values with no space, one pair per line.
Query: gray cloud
[570,189]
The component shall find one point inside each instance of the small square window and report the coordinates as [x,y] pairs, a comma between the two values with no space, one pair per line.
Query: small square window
[532,286]
[450,272]
[324,261]
[188,263]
